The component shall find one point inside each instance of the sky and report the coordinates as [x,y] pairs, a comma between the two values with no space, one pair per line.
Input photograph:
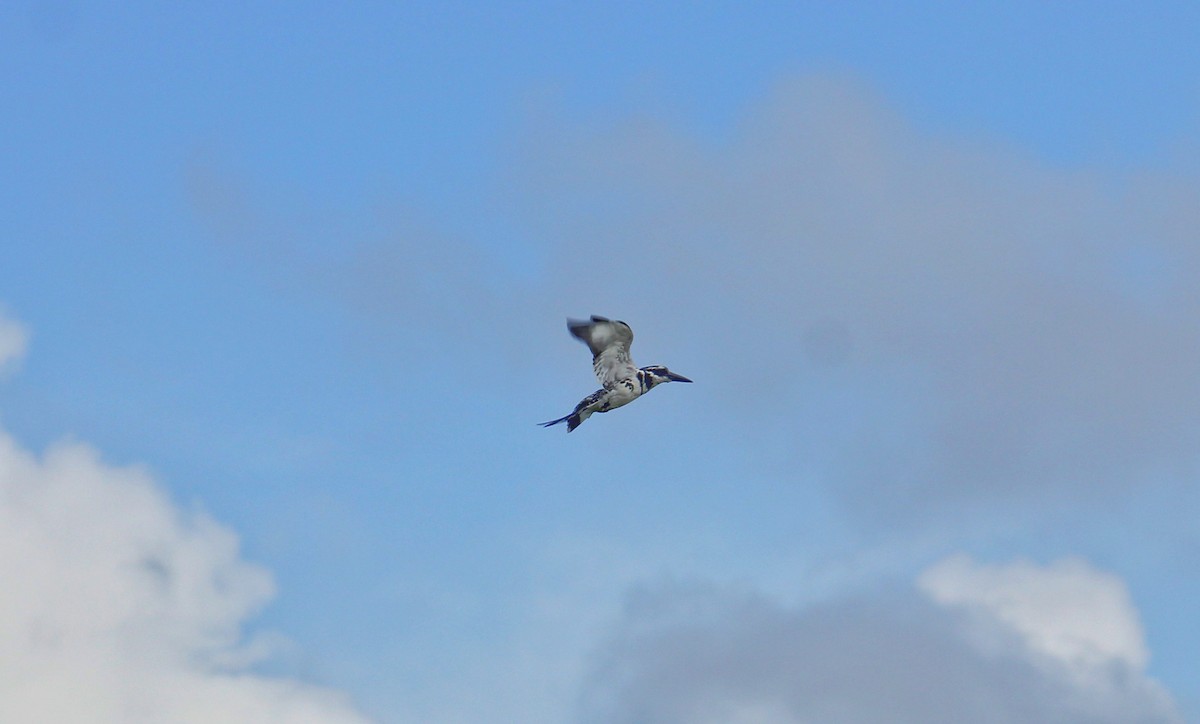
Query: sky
[283,295]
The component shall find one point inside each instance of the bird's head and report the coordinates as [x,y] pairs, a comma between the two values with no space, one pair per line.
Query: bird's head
[657,374]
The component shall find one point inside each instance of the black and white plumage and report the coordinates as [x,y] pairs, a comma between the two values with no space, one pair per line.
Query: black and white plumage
[623,383]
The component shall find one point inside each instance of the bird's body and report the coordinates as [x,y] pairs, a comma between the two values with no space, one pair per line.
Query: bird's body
[623,383]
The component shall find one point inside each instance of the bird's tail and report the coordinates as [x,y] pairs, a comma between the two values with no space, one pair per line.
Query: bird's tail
[573,420]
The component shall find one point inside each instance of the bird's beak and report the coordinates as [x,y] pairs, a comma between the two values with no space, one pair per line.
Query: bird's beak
[677,378]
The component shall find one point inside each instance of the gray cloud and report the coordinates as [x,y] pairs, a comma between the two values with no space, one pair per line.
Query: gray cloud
[14,339]
[979,326]
[380,256]
[385,260]
[1019,327]
[701,653]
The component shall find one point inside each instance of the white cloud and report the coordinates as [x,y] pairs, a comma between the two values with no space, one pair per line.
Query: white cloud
[119,607]
[14,338]
[1073,621]
[1067,610]
[706,653]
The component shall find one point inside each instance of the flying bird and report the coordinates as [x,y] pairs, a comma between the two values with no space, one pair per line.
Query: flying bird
[623,383]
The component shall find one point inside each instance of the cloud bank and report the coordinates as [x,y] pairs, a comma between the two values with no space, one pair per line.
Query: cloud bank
[117,606]
[937,321]
[1018,329]
[994,644]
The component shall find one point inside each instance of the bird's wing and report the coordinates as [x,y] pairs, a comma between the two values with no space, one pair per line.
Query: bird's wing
[609,342]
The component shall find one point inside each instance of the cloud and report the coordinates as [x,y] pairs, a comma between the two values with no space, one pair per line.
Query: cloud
[379,256]
[118,606]
[1068,610]
[1017,329]
[14,338]
[943,651]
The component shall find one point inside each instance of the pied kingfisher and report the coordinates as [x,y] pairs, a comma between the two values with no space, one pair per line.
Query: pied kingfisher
[623,383]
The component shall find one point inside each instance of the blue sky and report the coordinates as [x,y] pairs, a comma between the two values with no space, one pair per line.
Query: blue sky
[296,277]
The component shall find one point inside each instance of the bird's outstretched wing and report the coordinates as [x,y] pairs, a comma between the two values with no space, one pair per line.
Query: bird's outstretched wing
[609,342]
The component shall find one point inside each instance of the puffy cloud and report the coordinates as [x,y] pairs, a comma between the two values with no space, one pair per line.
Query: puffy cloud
[970,643]
[117,606]
[1068,610]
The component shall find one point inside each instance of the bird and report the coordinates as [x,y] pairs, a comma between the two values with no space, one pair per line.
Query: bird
[623,383]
